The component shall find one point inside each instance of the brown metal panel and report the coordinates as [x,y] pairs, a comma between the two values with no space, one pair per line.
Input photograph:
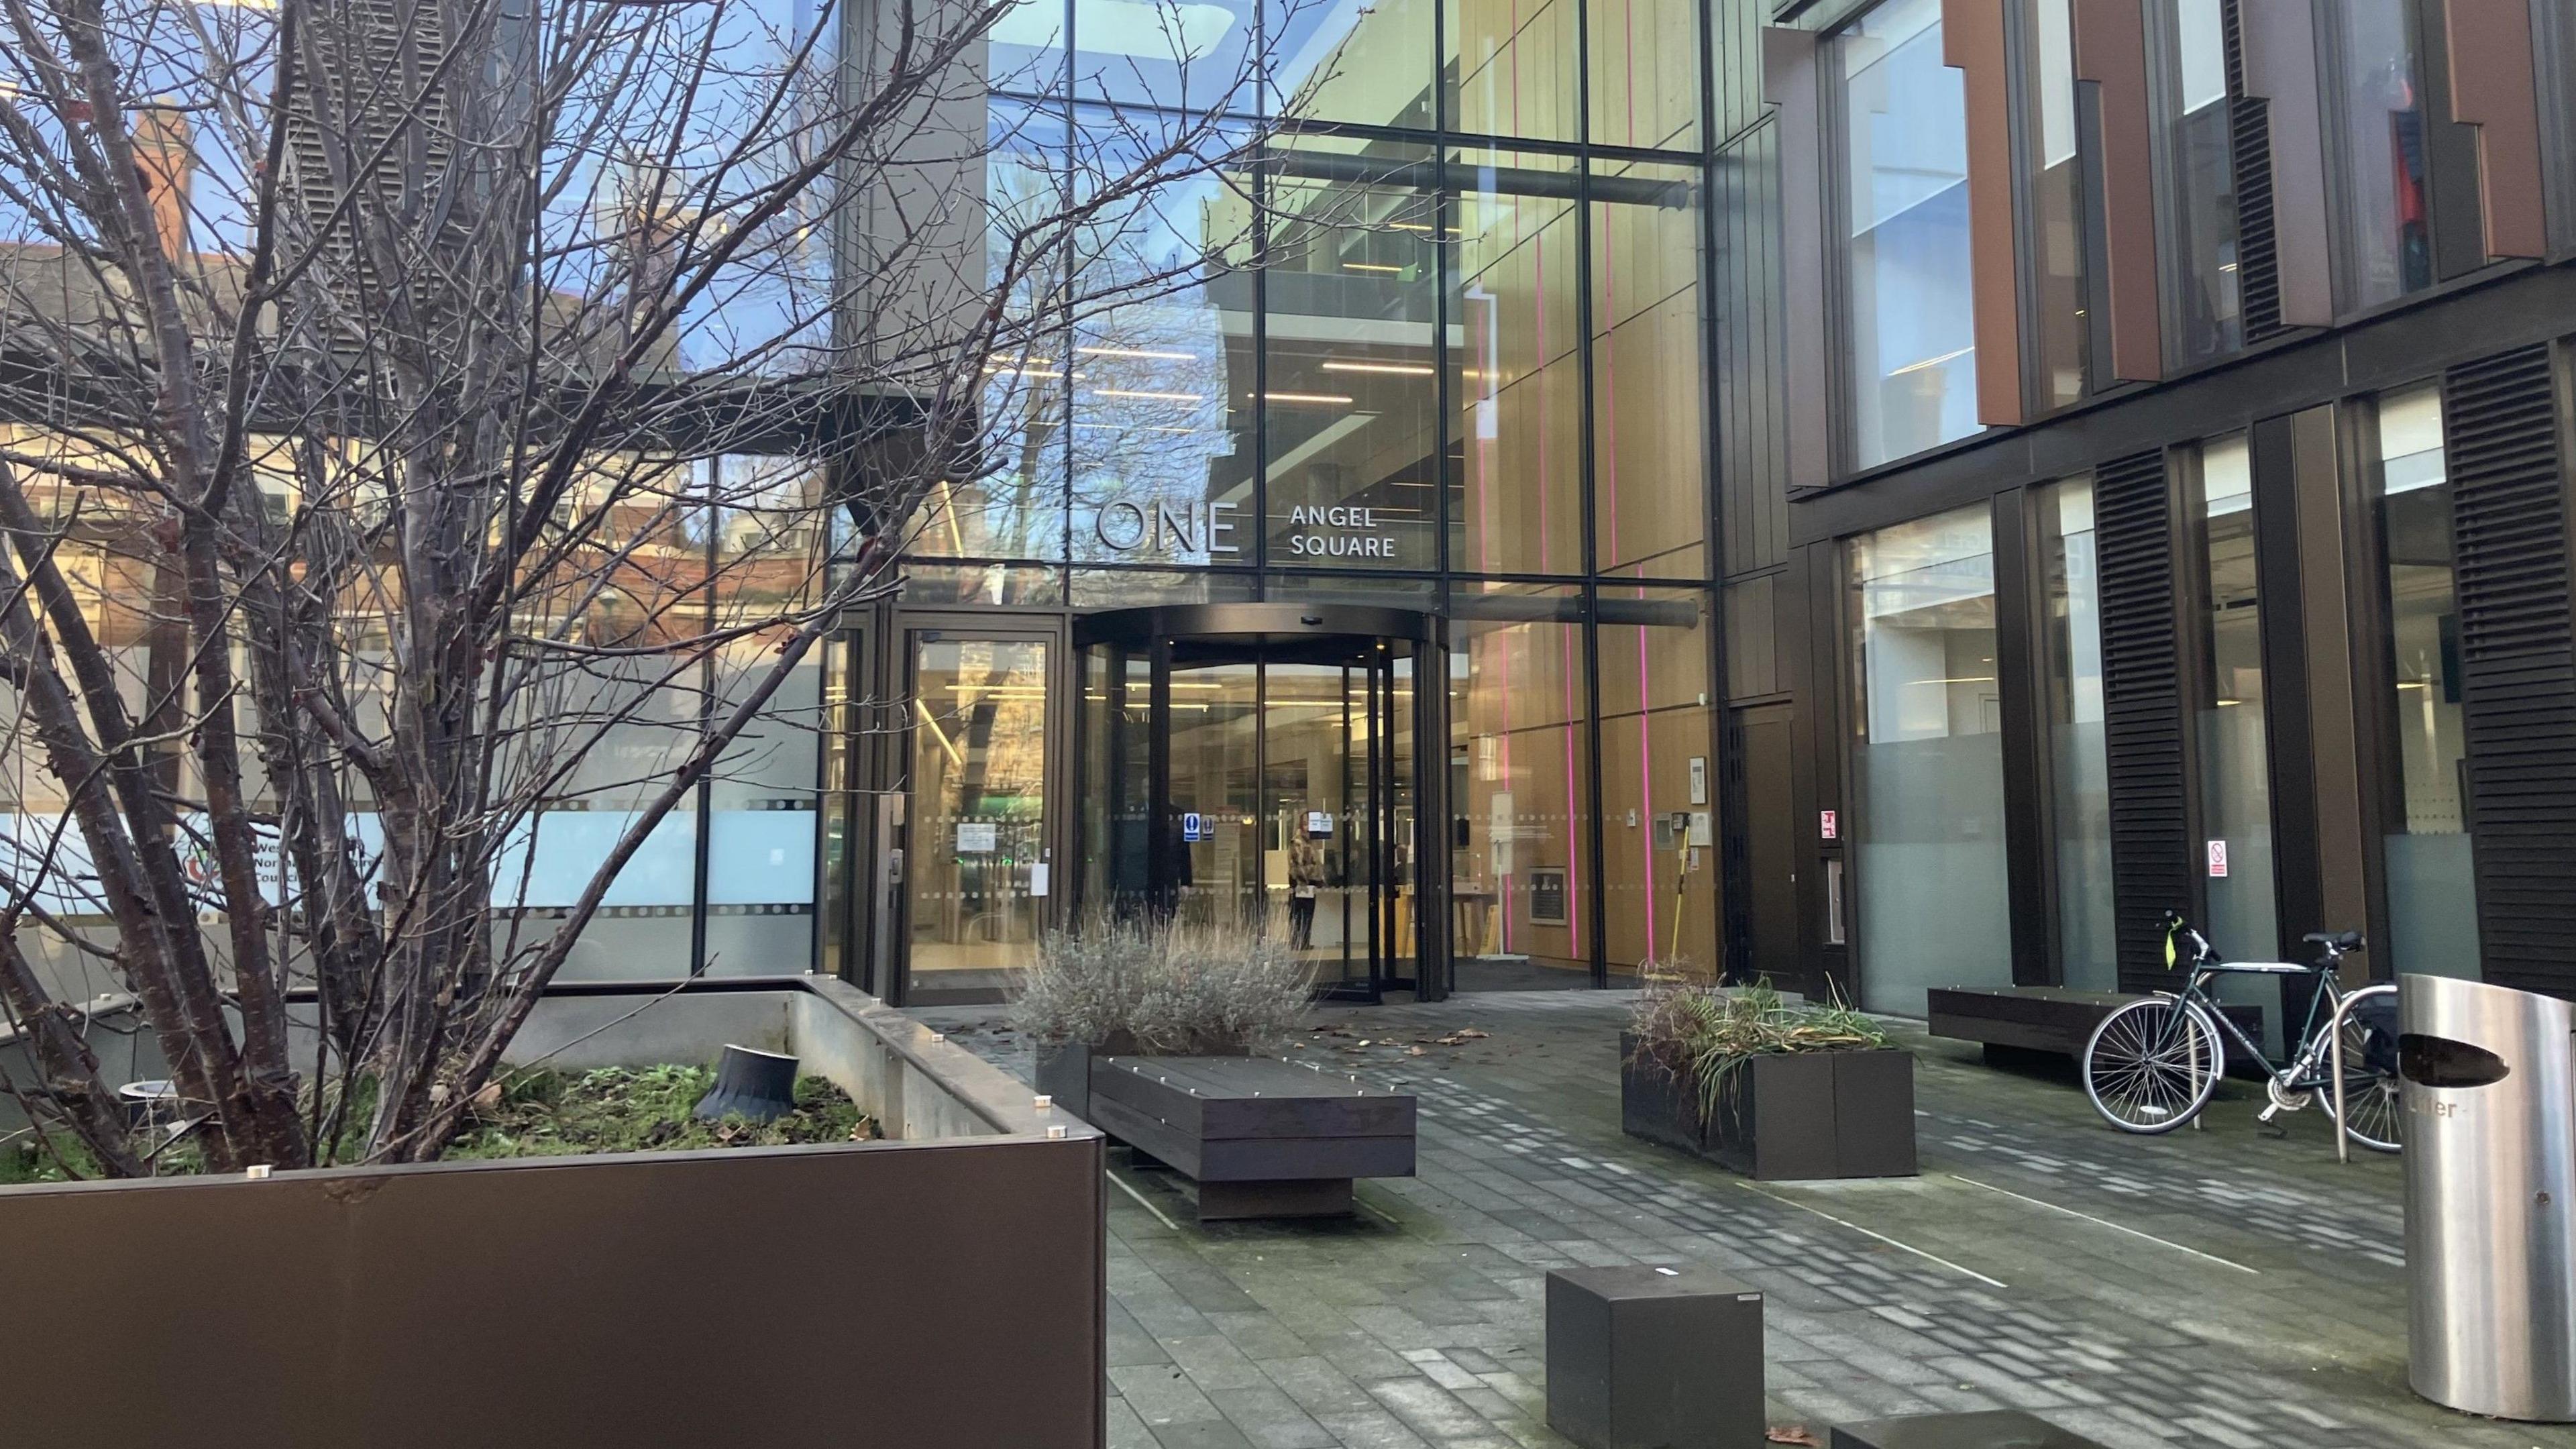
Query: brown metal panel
[572,1302]
[2333,744]
[1789,79]
[2111,50]
[1972,42]
[2280,40]
[2492,89]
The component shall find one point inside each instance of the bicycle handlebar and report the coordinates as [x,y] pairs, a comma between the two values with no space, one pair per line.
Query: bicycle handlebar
[2335,944]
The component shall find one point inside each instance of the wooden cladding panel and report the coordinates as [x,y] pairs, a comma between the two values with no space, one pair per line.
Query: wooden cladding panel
[1972,42]
[2492,89]
[2111,50]
[2142,709]
[2517,662]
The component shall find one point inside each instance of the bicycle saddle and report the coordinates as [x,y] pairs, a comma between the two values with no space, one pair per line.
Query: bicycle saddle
[2340,940]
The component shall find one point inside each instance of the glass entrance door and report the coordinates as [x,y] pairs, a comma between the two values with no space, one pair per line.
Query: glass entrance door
[1263,786]
[973,853]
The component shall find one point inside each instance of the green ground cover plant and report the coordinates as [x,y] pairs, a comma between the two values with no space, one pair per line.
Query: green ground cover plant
[547,1114]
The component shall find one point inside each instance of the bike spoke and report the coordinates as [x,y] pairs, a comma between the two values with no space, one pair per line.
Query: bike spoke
[2150,1066]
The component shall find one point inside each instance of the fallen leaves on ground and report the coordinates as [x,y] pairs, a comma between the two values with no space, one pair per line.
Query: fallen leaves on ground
[1792,1434]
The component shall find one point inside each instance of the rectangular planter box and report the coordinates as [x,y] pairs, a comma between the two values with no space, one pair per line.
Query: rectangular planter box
[1787,1118]
[614,1300]
[1064,1073]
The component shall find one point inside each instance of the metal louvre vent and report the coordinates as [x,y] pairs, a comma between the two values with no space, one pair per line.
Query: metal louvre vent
[379,109]
[2517,662]
[2142,709]
[2258,263]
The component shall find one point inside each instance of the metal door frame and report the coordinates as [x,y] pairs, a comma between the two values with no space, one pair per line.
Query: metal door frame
[1259,632]
[893,938]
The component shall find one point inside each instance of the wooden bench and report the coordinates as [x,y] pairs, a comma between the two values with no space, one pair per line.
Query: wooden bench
[2056,1019]
[1262,1138]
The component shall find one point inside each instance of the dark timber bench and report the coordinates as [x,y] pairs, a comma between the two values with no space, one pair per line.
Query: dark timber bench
[1262,1138]
[2055,1019]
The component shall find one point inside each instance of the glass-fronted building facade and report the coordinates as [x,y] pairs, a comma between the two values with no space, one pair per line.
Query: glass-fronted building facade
[1421,358]
[2138,492]
[1888,497]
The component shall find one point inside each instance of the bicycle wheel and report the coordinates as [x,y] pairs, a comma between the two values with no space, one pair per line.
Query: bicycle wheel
[2151,1065]
[2370,1096]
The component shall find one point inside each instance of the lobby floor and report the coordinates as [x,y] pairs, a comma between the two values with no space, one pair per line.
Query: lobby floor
[2225,1287]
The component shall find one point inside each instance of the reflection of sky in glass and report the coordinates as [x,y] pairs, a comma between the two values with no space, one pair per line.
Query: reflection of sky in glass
[676,123]
[1153,423]
[1186,54]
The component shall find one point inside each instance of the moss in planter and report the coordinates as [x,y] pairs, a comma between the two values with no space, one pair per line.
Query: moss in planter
[553,1114]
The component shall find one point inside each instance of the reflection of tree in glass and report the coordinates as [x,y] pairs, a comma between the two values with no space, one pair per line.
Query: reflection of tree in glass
[454,441]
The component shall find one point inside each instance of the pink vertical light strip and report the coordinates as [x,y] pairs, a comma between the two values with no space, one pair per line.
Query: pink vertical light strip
[1486,348]
[1573,876]
[1502,878]
[1628,30]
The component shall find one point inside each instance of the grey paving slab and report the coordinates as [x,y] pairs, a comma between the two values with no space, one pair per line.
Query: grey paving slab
[2230,1287]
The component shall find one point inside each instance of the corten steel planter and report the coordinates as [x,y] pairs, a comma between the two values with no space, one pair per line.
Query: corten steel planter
[1784,1117]
[597,1301]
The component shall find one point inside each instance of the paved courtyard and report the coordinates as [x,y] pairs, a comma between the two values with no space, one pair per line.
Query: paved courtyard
[2227,1287]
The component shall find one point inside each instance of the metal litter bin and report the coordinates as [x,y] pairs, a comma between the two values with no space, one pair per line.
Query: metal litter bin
[2490,1102]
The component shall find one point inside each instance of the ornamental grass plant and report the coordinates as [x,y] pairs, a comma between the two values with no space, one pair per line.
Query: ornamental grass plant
[1153,984]
[1706,1034]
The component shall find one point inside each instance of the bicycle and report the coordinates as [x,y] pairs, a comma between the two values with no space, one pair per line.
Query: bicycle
[2151,1065]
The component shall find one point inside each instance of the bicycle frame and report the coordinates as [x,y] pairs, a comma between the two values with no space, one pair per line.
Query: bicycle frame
[2308,1056]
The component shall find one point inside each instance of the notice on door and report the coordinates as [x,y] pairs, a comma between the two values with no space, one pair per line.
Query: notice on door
[978,837]
[2218,860]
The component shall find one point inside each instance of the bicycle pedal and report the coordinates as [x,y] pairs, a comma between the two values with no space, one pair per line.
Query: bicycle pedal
[2267,1114]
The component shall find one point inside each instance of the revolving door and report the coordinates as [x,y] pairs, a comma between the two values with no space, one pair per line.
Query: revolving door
[1259,767]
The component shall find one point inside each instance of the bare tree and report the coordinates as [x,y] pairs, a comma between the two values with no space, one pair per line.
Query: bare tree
[375,377]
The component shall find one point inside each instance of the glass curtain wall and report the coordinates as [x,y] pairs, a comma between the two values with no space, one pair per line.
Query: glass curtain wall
[1648,428]
[1411,340]
[1913,349]
[1659,834]
[2235,754]
[1520,786]
[1160,444]
[1516,372]
[2056,190]
[2199,184]
[2079,765]
[770,549]
[2386,210]
[1927,769]
[2432,882]
[1350,390]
